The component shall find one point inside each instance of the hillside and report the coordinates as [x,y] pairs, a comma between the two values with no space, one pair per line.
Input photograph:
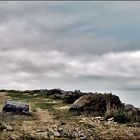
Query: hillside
[59,114]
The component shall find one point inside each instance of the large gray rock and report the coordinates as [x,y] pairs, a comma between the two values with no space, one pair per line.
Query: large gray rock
[16,107]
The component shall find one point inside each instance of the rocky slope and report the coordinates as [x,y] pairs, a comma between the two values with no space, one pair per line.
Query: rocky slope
[82,128]
[53,118]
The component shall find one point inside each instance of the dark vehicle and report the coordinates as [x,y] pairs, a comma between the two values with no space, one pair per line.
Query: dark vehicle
[16,107]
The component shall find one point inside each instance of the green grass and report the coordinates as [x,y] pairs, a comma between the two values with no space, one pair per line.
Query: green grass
[18,95]
[43,101]
[49,106]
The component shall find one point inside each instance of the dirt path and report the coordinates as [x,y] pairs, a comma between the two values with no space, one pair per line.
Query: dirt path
[44,115]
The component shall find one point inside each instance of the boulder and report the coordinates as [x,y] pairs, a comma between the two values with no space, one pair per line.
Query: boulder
[96,102]
[129,107]
[16,107]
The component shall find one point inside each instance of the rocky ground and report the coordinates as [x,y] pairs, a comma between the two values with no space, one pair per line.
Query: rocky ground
[56,122]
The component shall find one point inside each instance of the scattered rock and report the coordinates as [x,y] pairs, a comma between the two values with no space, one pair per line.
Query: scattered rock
[38,130]
[60,129]
[14,137]
[32,135]
[56,134]
[51,137]
[44,135]
[2,126]
[9,128]
[63,123]
[111,119]
[83,138]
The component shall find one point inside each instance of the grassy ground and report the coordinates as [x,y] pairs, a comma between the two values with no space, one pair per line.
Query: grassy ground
[42,108]
[13,119]
[46,112]
[55,106]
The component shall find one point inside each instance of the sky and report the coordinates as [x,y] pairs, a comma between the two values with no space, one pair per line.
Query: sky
[90,46]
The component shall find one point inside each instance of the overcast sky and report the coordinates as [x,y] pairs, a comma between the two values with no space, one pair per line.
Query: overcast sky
[91,46]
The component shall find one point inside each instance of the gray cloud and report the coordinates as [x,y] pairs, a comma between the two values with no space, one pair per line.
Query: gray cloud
[92,46]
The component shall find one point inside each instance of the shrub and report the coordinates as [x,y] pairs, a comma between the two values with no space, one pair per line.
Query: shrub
[71,98]
[133,116]
[121,117]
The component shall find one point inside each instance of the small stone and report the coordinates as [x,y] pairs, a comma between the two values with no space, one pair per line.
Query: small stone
[51,137]
[99,118]
[56,134]
[2,126]
[63,123]
[9,128]
[60,129]
[38,130]
[45,135]
[111,119]
[32,135]
[91,138]
[14,137]
[4,130]
[75,135]
[109,122]
[83,138]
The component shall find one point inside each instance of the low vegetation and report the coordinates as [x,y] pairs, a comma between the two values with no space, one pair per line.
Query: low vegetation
[121,117]
[58,114]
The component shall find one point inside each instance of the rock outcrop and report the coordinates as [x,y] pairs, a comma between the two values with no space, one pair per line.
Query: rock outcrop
[96,103]
[132,112]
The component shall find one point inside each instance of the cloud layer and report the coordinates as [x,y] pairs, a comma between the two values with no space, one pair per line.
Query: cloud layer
[91,46]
